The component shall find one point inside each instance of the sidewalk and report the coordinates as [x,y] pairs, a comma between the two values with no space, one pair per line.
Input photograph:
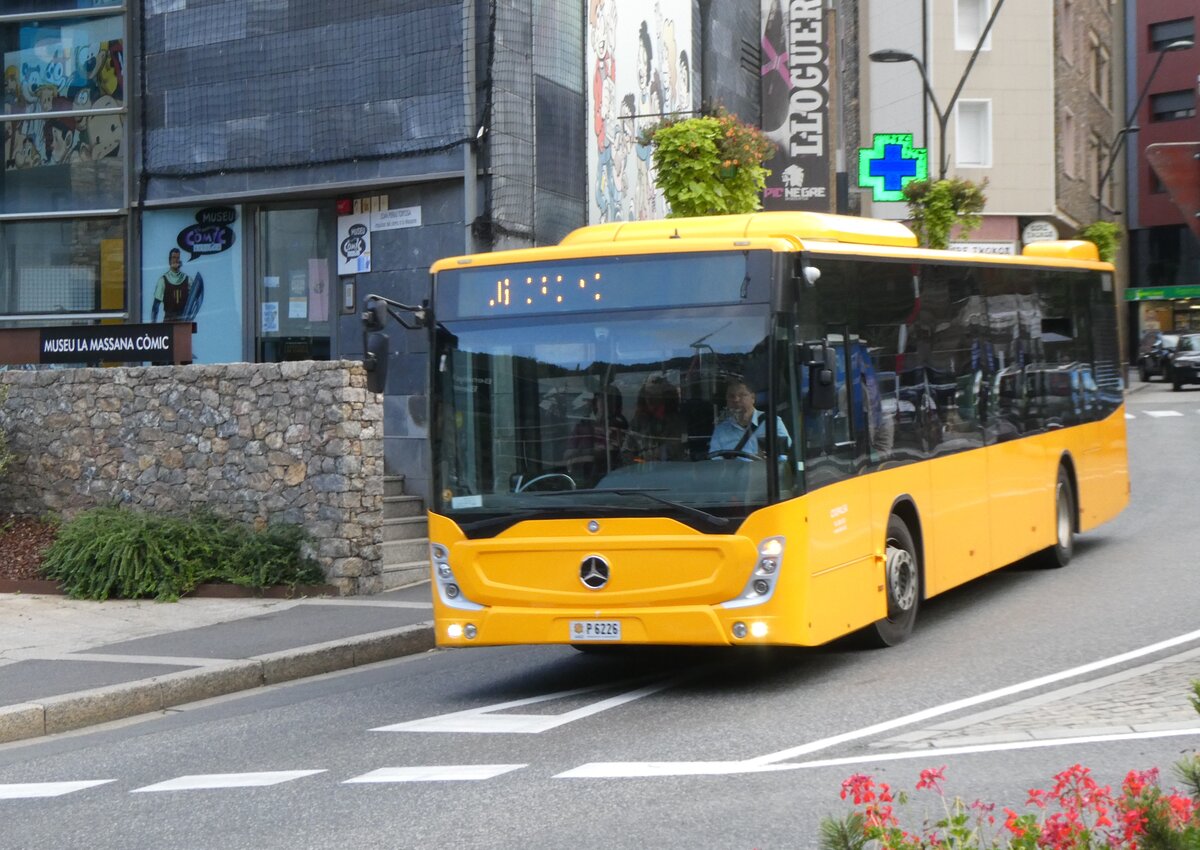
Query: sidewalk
[66,664]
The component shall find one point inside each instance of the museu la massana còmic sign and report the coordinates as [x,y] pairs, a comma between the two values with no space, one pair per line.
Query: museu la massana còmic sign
[153,343]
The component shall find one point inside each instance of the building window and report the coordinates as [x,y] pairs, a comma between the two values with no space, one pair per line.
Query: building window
[973,133]
[971,17]
[1100,70]
[57,271]
[1165,32]
[1067,30]
[1094,165]
[1070,166]
[1173,105]
[69,72]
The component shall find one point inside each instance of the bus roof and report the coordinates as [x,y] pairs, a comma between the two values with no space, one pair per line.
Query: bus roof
[776,230]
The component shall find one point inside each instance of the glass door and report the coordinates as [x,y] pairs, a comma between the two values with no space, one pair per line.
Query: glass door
[293,257]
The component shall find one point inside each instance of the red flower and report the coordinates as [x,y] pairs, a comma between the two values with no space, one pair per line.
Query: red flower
[932,778]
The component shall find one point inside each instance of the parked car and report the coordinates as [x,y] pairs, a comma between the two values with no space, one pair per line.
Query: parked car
[1154,354]
[1184,367]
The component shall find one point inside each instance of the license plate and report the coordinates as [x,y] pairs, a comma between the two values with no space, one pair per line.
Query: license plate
[595,630]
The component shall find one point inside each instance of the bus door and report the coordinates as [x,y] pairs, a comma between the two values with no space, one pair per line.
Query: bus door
[841,568]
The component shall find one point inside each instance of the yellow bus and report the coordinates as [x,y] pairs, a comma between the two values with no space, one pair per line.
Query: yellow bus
[920,418]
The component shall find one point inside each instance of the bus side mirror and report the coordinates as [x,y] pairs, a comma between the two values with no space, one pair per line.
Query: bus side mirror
[375,361]
[822,369]
[374,318]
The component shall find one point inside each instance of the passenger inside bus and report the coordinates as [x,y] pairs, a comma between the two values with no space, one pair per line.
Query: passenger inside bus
[657,430]
[595,443]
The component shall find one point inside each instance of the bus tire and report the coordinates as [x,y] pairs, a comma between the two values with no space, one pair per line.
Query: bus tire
[903,584]
[1059,555]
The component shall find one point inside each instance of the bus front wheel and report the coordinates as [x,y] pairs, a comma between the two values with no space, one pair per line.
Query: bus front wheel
[903,574]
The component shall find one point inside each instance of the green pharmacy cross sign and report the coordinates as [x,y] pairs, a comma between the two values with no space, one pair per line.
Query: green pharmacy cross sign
[891,163]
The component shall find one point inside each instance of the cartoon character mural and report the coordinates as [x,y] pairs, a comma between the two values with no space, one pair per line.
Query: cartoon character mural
[59,69]
[639,75]
[192,272]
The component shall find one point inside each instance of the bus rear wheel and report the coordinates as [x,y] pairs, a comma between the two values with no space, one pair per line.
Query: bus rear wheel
[903,579]
[1059,555]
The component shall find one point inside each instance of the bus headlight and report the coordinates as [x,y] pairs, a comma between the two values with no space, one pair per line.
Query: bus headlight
[761,585]
[447,587]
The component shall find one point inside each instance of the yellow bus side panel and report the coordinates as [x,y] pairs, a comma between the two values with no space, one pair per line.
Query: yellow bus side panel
[1022,474]
[955,521]
[1102,470]
[842,591]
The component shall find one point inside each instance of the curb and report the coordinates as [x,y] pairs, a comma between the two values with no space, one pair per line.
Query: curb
[64,713]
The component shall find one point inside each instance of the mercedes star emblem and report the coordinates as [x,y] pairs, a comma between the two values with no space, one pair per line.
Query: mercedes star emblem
[593,572]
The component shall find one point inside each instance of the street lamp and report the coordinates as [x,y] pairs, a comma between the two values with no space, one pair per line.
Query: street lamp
[890,56]
[1119,139]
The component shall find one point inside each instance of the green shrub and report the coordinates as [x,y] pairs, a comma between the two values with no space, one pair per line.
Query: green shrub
[117,552]
[937,207]
[1106,236]
[710,164]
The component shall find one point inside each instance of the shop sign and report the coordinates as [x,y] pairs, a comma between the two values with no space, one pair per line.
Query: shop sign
[890,164]
[1008,249]
[396,219]
[354,243]
[107,343]
[1161,293]
[1038,231]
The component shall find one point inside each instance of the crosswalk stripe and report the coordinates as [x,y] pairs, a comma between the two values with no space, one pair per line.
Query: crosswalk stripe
[1158,414]
[436,773]
[227,780]
[26,790]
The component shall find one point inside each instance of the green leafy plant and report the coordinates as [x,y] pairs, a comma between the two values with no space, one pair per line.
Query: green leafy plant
[710,164]
[938,207]
[1107,237]
[117,552]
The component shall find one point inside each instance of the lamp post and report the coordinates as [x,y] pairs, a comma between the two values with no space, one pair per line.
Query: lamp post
[893,55]
[1129,128]
[889,56]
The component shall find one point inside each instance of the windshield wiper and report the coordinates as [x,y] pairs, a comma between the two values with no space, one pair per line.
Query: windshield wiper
[649,494]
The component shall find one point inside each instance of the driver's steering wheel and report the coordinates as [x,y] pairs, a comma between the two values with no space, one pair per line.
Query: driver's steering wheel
[545,476]
[727,454]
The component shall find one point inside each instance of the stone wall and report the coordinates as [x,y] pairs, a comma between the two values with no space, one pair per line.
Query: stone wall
[293,442]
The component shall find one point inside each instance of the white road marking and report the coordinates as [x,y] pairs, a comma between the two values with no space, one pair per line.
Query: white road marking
[691,768]
[227,780]
[436,773]
[484,720]
[642,769]
[47,789]
[1159,414]
[1130,416]
[934,753]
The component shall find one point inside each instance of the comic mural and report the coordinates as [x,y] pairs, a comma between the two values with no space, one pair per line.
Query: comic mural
[59,68]
[639,70]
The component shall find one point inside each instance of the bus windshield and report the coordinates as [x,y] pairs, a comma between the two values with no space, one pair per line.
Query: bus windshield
[594,414]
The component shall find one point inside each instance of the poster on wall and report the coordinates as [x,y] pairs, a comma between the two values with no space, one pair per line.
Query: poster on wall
[192,272]
[795,105]
[63,67]
[639,69]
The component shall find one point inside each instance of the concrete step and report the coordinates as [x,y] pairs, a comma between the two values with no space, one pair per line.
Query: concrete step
[393,485]
[395,507]
[399,575]
[403,551]
[405,528]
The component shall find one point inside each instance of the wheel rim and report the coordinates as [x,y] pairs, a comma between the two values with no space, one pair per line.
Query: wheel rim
[901,580]
[1064,518]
